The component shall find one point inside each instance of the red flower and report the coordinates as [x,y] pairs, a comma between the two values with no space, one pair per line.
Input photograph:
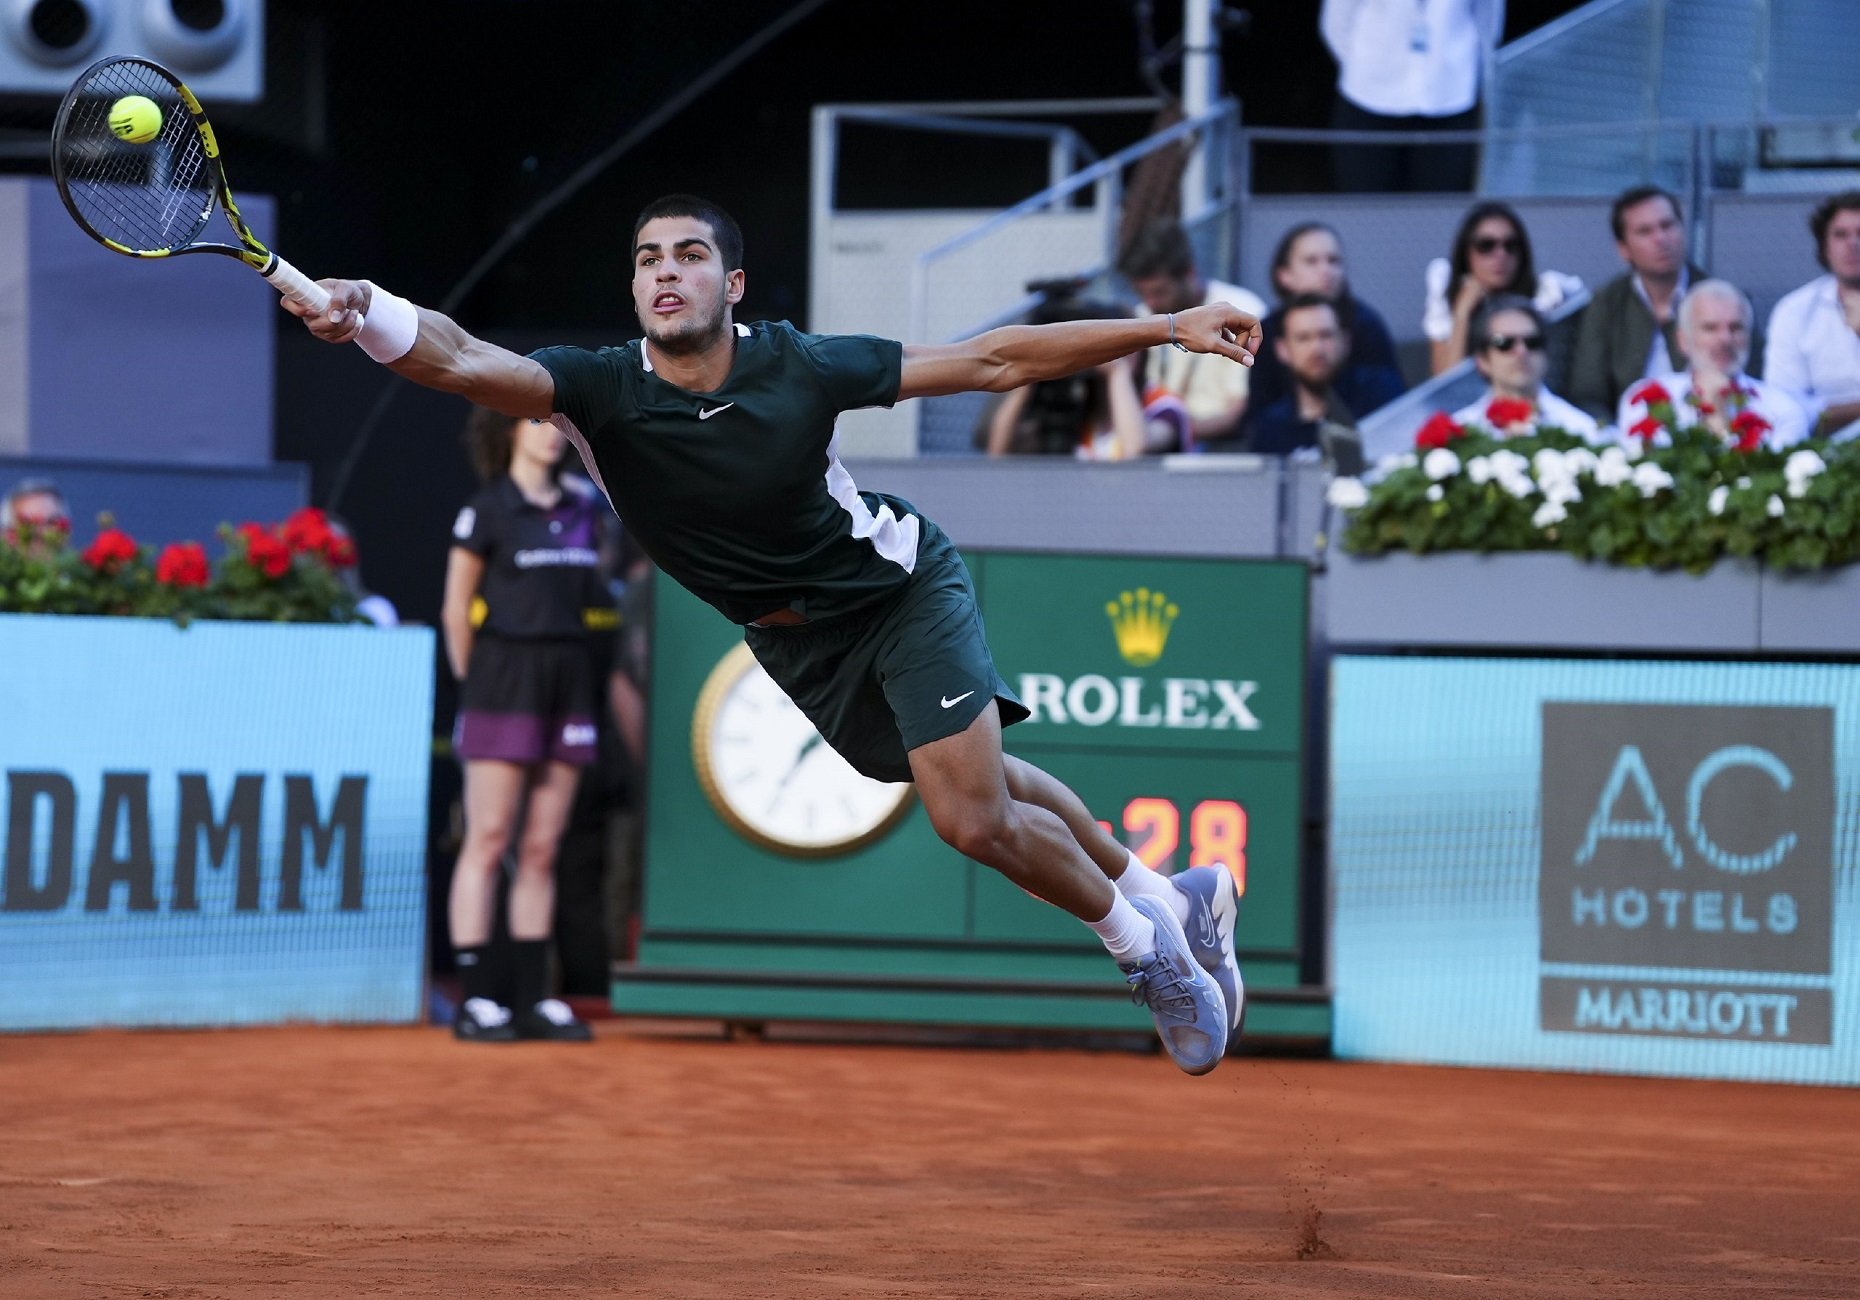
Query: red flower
[1650,392]
[1706,408]
[184,564]
[1749,428]
[264,552]
[112,549]
[1437,432]
[340,552]
[1646,429]
[1507,411]
[307,530]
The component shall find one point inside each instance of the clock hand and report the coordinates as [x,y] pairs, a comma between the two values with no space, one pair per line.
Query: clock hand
[808,747]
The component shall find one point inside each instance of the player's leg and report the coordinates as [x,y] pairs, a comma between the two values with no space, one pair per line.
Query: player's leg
[532,903]
[962,782]
[493,792]
[1204,899]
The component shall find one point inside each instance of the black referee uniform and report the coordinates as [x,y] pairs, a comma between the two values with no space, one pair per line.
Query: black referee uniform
[529,691]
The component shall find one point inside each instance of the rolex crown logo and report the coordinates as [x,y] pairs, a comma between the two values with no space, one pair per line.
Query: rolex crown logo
[1141,619]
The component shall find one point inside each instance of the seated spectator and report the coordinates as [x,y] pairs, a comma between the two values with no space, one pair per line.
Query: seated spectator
[1160,266]
[1491,255]
[1714,329]
[1510,342]
[1309,260]
[34,503]
[1628,331]
[1312,344]
[1813,350]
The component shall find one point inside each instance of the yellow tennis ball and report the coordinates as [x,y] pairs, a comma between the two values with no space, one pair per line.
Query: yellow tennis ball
[135,118]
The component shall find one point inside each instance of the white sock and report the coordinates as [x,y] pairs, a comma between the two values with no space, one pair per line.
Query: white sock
[1126,931]
[1139,879]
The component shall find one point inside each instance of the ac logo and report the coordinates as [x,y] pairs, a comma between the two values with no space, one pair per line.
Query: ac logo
[1685,838]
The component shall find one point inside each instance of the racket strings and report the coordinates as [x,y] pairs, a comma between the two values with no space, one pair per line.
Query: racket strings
[147,197]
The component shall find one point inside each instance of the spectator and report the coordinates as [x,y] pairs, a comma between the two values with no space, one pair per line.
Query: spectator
[1714,329]
[1491,255]
[1309,260]
[1813,348]
[1094,415]
[1408,65]
[37,503]
[1628,331]
[529,549]
[1160,266]
[1510,346]
[1312,345]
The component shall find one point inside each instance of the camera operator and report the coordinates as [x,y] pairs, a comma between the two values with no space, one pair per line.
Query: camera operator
[1095,414]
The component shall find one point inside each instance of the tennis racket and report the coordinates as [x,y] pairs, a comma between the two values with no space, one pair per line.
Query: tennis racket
[154,198]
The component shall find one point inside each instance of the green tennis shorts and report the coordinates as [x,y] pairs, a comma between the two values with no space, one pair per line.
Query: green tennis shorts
[879,682]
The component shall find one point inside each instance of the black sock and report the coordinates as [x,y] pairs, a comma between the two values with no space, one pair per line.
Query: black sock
[474,971]
[529,964]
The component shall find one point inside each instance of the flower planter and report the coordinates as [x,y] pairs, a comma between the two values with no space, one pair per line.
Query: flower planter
[1540,600]
[1811,612]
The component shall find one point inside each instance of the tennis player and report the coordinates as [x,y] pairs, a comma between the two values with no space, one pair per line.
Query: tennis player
[715,443]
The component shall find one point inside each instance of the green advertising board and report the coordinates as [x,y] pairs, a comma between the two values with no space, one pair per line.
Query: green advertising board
[1168,692]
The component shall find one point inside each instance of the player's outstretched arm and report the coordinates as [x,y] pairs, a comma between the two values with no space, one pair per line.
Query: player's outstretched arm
[441,354]
[1013,356]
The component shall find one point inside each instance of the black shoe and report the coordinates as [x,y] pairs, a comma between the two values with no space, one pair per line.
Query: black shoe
[481,1020]
[551,1019]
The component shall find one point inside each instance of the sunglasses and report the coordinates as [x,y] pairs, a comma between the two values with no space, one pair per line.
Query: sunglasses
[1506,342]
[1486,245]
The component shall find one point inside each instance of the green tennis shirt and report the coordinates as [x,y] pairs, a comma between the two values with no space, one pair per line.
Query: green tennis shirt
[739,494]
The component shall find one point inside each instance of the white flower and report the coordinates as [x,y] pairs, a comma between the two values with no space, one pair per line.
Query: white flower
[1506,461]
[1650,479]
[1634,449]
[1517,485]
[1347,494]
[1400,460]
[1715,503]
[1579,460]
[1479,470]
[1803,465]
[1775,506]
[1564,492]
[1440,463]
[1798,487]
[1612,468]
[1436,492]
[1548,465]
[1742,483]
[1550,512]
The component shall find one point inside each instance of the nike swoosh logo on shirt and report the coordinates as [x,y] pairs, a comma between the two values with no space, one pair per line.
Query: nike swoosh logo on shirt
[705,415]
[950,704]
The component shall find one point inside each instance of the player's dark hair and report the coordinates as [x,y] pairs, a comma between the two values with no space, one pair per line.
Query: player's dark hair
[722,224]
[489,444]
[1823,216]
[1160,247]
[1479,328]
[1617,213]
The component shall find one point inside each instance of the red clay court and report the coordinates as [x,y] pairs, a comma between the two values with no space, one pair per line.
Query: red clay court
[395,1162]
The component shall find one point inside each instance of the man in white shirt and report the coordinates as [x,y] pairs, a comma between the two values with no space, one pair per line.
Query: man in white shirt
[1713,390]
[1159,265]
[1408,65]
[1813,350]
[1507,340]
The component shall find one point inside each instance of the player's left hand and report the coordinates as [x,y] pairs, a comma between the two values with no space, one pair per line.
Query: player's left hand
[1220,328]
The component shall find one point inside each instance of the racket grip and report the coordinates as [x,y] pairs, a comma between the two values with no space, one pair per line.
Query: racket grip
[294,284]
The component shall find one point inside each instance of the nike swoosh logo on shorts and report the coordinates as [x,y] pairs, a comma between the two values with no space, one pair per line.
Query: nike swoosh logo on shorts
[950,704]
[705,415]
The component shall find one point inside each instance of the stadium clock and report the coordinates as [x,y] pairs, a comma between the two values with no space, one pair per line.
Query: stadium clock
[771,777]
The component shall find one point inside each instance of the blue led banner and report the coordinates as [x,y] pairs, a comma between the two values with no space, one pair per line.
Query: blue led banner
[1628,866]
[224,824]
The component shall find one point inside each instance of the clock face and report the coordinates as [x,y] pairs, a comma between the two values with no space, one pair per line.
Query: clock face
[771,776]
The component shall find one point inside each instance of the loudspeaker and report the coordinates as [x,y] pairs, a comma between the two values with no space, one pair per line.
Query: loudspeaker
[216,46]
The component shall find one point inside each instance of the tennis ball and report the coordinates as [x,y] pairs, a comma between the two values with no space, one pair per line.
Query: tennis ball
[135,118]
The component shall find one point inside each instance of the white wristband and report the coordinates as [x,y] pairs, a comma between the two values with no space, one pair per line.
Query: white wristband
[391,327]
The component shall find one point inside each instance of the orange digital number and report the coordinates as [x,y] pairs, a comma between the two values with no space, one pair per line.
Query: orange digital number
[1217,833]
[1159,820]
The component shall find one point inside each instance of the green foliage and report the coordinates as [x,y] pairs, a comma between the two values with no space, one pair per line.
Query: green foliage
[1643,508]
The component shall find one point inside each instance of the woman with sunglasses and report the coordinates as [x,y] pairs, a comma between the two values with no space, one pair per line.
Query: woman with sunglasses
[1506,334]
[1491,254]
